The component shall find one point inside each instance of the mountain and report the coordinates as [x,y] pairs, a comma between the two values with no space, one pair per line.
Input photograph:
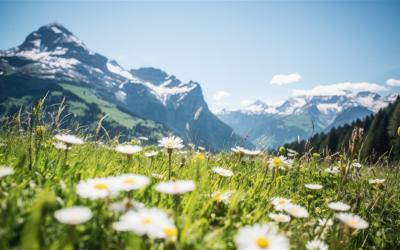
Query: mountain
[380,136]
[54,59]
[301,116]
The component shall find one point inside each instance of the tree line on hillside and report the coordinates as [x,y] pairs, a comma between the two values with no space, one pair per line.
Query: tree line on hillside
[377,135]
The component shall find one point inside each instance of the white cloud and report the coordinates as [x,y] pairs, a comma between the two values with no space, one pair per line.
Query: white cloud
[339,89]
[285,79]
[245,103]
[221,95]
[393,82]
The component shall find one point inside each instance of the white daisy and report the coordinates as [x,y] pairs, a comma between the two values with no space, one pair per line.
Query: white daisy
[279,217]
[246,151]
[296,210]
[73,215]
[279,203]
[332,170]
[69,139]
[152,222]
[175,187]
[291,152]
[223,197]
[97,188]
[61,146]
[338,206]
[222,171]
[4,171]
[128,149]
[260,237]
[126,205]
[128,182]
[313,186]
[316,245]
[151,154]
[376,181]
[356,165]
[171,142]
[352,220]
[279,162]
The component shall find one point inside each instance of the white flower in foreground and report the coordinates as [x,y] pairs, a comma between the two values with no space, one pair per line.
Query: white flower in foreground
[128,182]
[175,187]
[4,171]
[313,186]
[279,162]
[338,206]
[69,139]
[316,245]
[61,146]
[246,151]
[260,237]
[126,205]
[296,210]
[171,142]
[128,149]
[97,188]
[151,154]
[73,215]
[223,197]
[376,181]
[352,220]
[222,171]
[152,222]
[279,203]
[332,170]
[279,217]
[291,152]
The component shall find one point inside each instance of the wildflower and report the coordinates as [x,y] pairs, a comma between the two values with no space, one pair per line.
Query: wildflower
[282,150]
[279,162]
[175,187]
[4,171]
[376,181]
[222,171]
[356,165]
[338,206]
[244,151]
[279,203]
[128,182]
[73,215]
[151,154]
[222,197]
[69,139]
[261,237]
[291,153]
[332,170]
[296,210]
[97,188]
[171,142]
[126,205]
[279,217]
[61,145]
[316,245]
[352,220]
[128,149]
[313,186]
[152,222]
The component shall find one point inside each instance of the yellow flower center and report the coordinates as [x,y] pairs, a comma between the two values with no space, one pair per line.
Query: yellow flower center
[129,181]
[352,222]
[262,242]
[146,221]
[276,162]
[170,232]
[101,186]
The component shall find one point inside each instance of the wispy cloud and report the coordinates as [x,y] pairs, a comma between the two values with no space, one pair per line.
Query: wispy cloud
[281,79]
[339,89]
[221,95]
[393,82]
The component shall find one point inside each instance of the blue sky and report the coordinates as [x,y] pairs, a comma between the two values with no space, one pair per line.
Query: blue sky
[233,49]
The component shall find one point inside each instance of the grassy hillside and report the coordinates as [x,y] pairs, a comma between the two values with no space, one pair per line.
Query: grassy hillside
[45,180]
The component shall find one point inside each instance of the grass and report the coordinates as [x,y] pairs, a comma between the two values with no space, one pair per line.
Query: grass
[110,109]
[29,197]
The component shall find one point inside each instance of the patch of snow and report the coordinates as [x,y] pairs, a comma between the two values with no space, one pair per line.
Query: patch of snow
[121,72]
[120,95]
[56,30]
[162,92]
[328,108]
